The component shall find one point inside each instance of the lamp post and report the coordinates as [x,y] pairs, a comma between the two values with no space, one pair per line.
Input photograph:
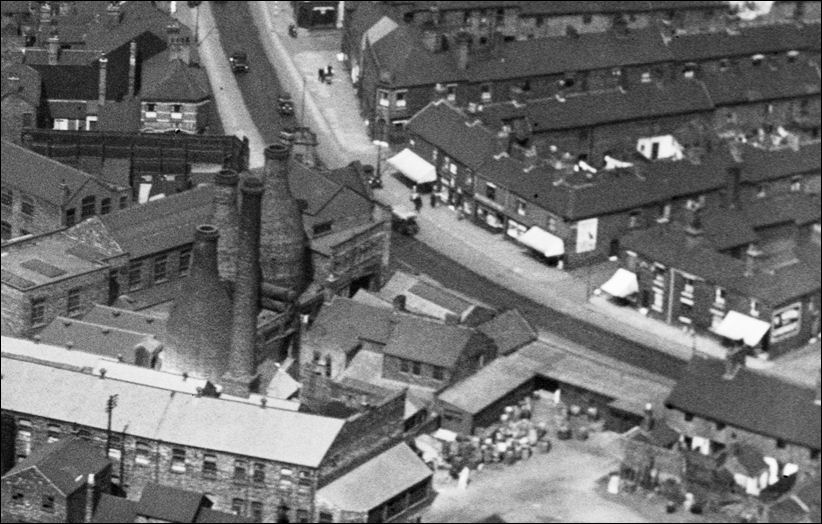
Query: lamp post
[380,144]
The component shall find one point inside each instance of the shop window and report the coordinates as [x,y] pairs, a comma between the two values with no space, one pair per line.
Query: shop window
[178,460]
[135,271]
[27,205]
[160,266]
[73,304]
[38,311]
[210,466]
[142,454]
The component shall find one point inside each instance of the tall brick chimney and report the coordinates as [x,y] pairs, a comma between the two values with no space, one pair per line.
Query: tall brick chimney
[53,49]
[101,86]
[177,47]
[225,218]
[242,360]
[132,68]
[89,500]
[283,243]
[199,325]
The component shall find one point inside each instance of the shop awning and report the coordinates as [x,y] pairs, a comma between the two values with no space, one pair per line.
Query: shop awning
[622,284]
[737,326]
[413,166]
[540,240]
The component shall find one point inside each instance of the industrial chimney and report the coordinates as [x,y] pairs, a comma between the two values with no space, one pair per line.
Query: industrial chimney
[199,325]
[283,243]
[101,87]
[225,218]
[242,360]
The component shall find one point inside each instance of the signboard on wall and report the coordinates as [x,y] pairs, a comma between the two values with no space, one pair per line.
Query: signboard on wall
[587,235]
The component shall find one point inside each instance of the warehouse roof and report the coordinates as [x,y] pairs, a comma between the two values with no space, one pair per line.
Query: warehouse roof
[754,401]
[153,413]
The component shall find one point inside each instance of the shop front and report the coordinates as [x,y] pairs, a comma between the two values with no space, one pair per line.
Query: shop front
[488,214]
[545,244]
[413,167]
[739,328]
[622,287]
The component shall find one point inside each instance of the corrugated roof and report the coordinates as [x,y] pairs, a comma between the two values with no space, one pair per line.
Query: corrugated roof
[760,403]
[66,463]
[377,481]
[161,224]
[38,175]
[451,130]
[291,437]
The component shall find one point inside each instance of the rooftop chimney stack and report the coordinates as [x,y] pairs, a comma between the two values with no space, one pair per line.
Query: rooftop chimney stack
[45,14]
[53,49]
[463,43]
[199,324]
[113,14]
[225,218]
[753,258]
[242,361]
[101,88]
[283,243]
[648,421]
[90,501]
[177,47]
[132,68]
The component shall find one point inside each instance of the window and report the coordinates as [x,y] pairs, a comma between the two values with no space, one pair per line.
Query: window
[115,447]
[160,263]
[664,213]
[73,305]
[48,503]
[209,466]
[688,288]
[87,207]
[720,426]
[490,191]
[616,72]
[151,110]
[552,224]
[724,64]
[757,59]
[27,205]
[141,454]
[257,511]
[485,92]
[53,433]
[305,480]
[6,230]
[786,322]
[405,366]
[719,296]
[23,438]
[383,99]
[61,124]
[38,311]
[566,82]
[416,368]
[633,218]
[176,112]
[796,183]
[240,469]
[178,460]
[326,517]
[18,499]
[135,271]
[689,417]
[259,473]
[7,196]
[237,506]
[438,373]
[646,77]
[780,443]
[451,92]
[105,206]
[587,18]
[84,434]
[322,228]
[185,261]
[28,120]
[123,201]
[399,99]
[302,515]
[521,206]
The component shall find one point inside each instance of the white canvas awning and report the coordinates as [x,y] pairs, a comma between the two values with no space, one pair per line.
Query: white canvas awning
[413,166]
[737,326]
[622,284]
[540,240]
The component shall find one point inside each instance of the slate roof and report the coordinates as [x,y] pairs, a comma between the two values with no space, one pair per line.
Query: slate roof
[344,322]
[167,80]
[125,320]
[509,330]
[351,176]
[152,413]
[170,503]
[761,165]
[428,341]
[642,101]
[137,18]
[747,83]
[119,116]
[66,463]
[754,401]
[93,338]
[377,481]
[749,41]
[28,86]
[114,509]
[798,208]
[327,199]
[36,56]
[69,82]
[462,138]
[483,388]
[781,285]
[38,175]
[161,224]
[727,228]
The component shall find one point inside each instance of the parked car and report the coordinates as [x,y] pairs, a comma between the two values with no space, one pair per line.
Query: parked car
[239,62]
[404,222]
[285,104]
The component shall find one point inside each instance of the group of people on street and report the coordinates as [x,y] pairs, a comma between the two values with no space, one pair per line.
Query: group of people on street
[416,199]
[325,74]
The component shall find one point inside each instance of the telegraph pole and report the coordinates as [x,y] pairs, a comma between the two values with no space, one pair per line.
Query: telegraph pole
[111,403]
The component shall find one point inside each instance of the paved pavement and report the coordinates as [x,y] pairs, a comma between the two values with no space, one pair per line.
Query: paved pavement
[333,111]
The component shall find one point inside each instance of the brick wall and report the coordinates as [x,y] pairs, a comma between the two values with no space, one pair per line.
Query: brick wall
[35,488]
[194,117]
[12,110]
[45,218]
[392,370]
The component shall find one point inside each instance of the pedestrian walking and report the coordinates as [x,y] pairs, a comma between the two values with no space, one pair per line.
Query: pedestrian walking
[321,74]
[329,71]
[433,199]
[417,203]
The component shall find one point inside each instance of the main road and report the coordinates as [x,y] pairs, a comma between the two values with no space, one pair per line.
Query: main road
[260,89]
